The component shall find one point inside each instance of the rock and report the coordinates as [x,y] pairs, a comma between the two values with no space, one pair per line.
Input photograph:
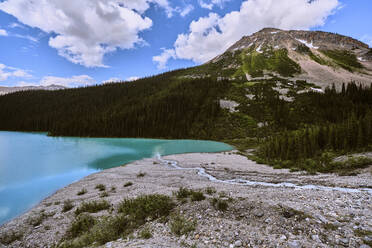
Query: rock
[321,218]
[238,243]
[231,246]
[364,246]
[344,241]
[316,238]
[258,213]
[294,244]
[197,236]
[283,237]
[108,245]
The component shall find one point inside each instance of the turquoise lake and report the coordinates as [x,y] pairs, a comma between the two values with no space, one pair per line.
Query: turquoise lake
[34,165]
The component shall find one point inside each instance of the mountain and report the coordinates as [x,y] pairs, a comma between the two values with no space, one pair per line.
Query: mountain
[318,57]
[8,90]
[288,94]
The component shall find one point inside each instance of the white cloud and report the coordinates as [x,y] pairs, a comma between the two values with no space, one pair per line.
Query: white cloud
[3,32]
[163,58]
[211,35]
[134,78]
[27,37]
[112,80]
[84,31]
[210,4]
[75,81]
[8,71]
[185,11]
[367,39]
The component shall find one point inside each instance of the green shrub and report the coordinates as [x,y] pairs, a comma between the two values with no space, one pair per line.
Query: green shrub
[100,187]
[141,174]
[181,226]
[197,196]
[9,237]
[104,194]
[92,207]
[103,231]
[128,184]
[220,204]
[182,193]
[145,233]
[146,206]
[82,191]
[80,225]
[210,190]
[67,206]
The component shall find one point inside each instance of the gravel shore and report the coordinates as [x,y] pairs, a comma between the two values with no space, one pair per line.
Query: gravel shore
[256,216]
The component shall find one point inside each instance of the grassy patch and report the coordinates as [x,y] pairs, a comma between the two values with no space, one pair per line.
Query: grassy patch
[255,63]
[100,187]
[133,213]
[197,196]
[104,194]
[67,206]
[37,220]
[10,237]
[92,207]
[343,58]
[145,233]
[141,174]
[83,191]
[80,225]
[210,190]
[182,193]
[179,225]
[128,184]
[220,204]
[147,206]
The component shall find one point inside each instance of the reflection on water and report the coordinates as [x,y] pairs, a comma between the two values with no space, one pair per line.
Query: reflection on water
[33,165]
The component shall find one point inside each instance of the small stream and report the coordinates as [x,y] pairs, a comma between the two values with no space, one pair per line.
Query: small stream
[244,182]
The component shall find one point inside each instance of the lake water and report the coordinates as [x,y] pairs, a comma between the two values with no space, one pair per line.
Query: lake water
[33,165]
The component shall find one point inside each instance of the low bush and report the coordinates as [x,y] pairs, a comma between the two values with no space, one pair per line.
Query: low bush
[80,225]
[92,207]
[9,237]
[146,206]
[197,196]
[67,206]
[145,233]
[128,184]
[179,225]
[100,187]
[82,191]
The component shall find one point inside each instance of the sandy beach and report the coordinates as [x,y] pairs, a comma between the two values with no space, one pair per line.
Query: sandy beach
[334,212]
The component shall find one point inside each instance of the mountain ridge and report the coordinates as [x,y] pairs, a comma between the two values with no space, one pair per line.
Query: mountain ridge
[325,58]
[7,90]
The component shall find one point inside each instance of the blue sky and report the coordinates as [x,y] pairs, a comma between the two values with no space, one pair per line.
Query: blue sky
[75,43]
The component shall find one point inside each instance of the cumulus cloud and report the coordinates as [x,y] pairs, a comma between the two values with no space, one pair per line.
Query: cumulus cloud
[84,31]
[163,58]
[211,35]
[3,32]
[134,78]
[210,4]
[185,11]
[8,71]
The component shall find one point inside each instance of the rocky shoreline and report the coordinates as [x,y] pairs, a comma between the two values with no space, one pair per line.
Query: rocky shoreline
[255,215]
